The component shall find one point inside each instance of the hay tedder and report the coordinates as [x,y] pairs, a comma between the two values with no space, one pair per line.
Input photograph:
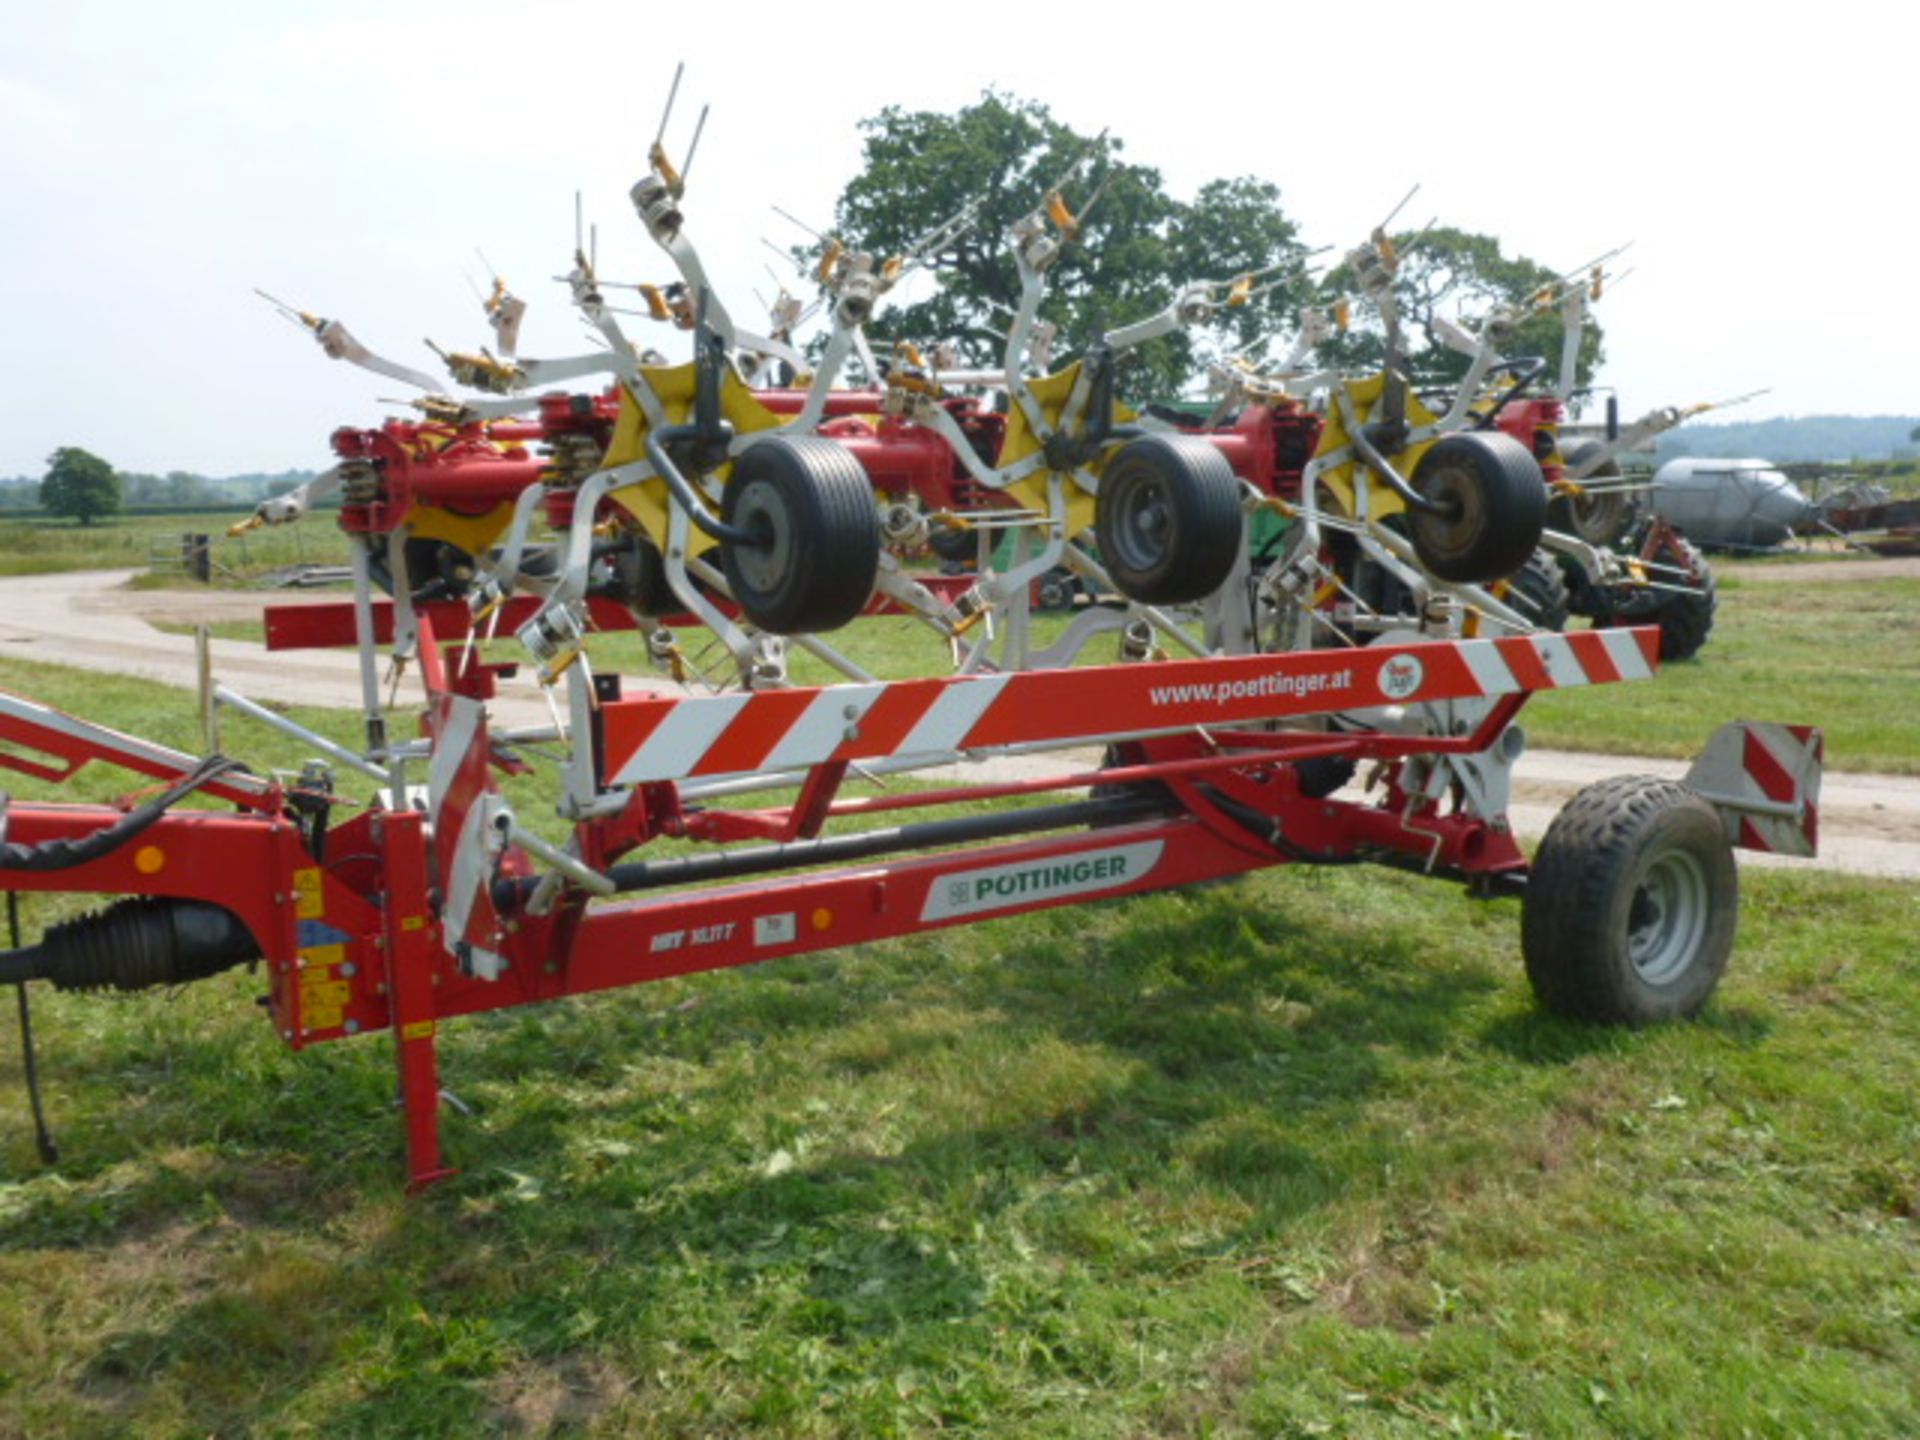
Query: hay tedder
[512,527]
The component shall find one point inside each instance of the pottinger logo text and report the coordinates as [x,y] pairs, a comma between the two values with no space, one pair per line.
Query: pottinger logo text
[1005,887]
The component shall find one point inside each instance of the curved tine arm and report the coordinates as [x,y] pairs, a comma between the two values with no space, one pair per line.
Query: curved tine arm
[285,508]
[553,372]
[339,344]
[571,585]
[496,578]
[686,259]
[839,344]
[1573,321]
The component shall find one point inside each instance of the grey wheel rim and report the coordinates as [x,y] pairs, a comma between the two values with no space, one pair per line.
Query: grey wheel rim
[1667,918]
[1143,524]
[759,509]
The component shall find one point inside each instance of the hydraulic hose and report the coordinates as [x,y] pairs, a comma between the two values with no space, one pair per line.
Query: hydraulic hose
[64,854]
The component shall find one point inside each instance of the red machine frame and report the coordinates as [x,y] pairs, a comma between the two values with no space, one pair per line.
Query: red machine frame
[354,941]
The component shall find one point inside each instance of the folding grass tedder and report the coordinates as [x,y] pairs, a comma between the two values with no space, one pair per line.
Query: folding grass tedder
[1247,688]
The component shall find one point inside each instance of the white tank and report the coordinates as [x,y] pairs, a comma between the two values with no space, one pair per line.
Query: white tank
[1731,503]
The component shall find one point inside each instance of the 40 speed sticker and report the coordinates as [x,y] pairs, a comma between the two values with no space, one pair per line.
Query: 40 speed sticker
[1007,887]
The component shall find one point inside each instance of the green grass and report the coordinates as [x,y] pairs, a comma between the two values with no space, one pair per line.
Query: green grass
[42,545]
[1844,655]
[1294,1155]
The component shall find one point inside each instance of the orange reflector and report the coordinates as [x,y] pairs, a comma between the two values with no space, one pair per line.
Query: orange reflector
[822,918]
[149,859]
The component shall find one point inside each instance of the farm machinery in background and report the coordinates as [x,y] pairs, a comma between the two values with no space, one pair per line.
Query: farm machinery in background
[1377,632]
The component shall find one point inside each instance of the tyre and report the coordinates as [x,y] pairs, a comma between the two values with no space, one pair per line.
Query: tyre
[1538,590]
[1496,501]
[636,576]
[1686,620]
[1167,519]
[816,551]
[1321,775]
[1630,906]
[1055,590]
[957,547]
[1601,520]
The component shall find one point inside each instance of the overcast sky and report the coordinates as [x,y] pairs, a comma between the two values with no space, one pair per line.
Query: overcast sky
[159,161]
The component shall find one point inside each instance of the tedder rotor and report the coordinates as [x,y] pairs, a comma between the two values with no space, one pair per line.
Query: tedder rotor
[695,496]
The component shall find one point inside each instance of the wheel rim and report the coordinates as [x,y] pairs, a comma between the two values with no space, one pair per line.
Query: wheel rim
[1454,531]
[1667,919]
[1142,524]
[759,509]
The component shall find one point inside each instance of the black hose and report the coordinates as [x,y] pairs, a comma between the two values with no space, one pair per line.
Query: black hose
[64,854]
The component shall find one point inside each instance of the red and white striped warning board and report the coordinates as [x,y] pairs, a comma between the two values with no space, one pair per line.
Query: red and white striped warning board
[1765,781]
[652,739]
[467,842]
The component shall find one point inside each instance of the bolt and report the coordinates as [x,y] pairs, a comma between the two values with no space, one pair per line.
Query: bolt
[352,1027]
[348,970]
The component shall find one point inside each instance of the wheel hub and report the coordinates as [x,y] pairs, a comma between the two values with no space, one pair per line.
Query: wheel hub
[1667,917]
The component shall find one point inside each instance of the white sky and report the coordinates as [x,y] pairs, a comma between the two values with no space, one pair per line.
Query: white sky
[159,160]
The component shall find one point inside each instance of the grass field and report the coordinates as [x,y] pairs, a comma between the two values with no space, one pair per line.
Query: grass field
[1290,1156]
[41,545]
[1294,1155]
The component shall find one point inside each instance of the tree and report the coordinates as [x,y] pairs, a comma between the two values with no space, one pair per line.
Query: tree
[1136,249]
[1448,274]
[79,484]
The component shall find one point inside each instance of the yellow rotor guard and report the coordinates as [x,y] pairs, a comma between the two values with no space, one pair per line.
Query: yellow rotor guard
[1050,393]
[475,534]
[647,500]
[1365,395]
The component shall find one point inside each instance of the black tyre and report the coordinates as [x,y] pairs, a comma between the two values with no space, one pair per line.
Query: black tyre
[636,576]
[1321,775]
[1538,590]
[1055,590]
[1631,904]
[1496,507]
[1601,520]
[817,547]
[957,547]
[1168,519]
[1687,620]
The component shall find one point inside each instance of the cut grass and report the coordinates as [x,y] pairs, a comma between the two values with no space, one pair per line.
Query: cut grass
[1841,654]
[1294,1155]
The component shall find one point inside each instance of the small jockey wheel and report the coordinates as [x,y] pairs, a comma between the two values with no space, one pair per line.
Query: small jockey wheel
[1168,519]
[815,550]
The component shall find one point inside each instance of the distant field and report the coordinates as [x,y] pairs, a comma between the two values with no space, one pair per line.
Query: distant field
[39,545]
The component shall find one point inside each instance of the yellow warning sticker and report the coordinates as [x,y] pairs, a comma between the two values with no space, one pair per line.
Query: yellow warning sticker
[413,922]
[418,1030]
[321,956]
[308,903]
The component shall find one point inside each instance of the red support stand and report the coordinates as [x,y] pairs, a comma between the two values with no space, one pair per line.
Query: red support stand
[411,959]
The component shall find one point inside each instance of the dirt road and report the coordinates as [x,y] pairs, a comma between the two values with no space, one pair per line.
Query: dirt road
[1870,824]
